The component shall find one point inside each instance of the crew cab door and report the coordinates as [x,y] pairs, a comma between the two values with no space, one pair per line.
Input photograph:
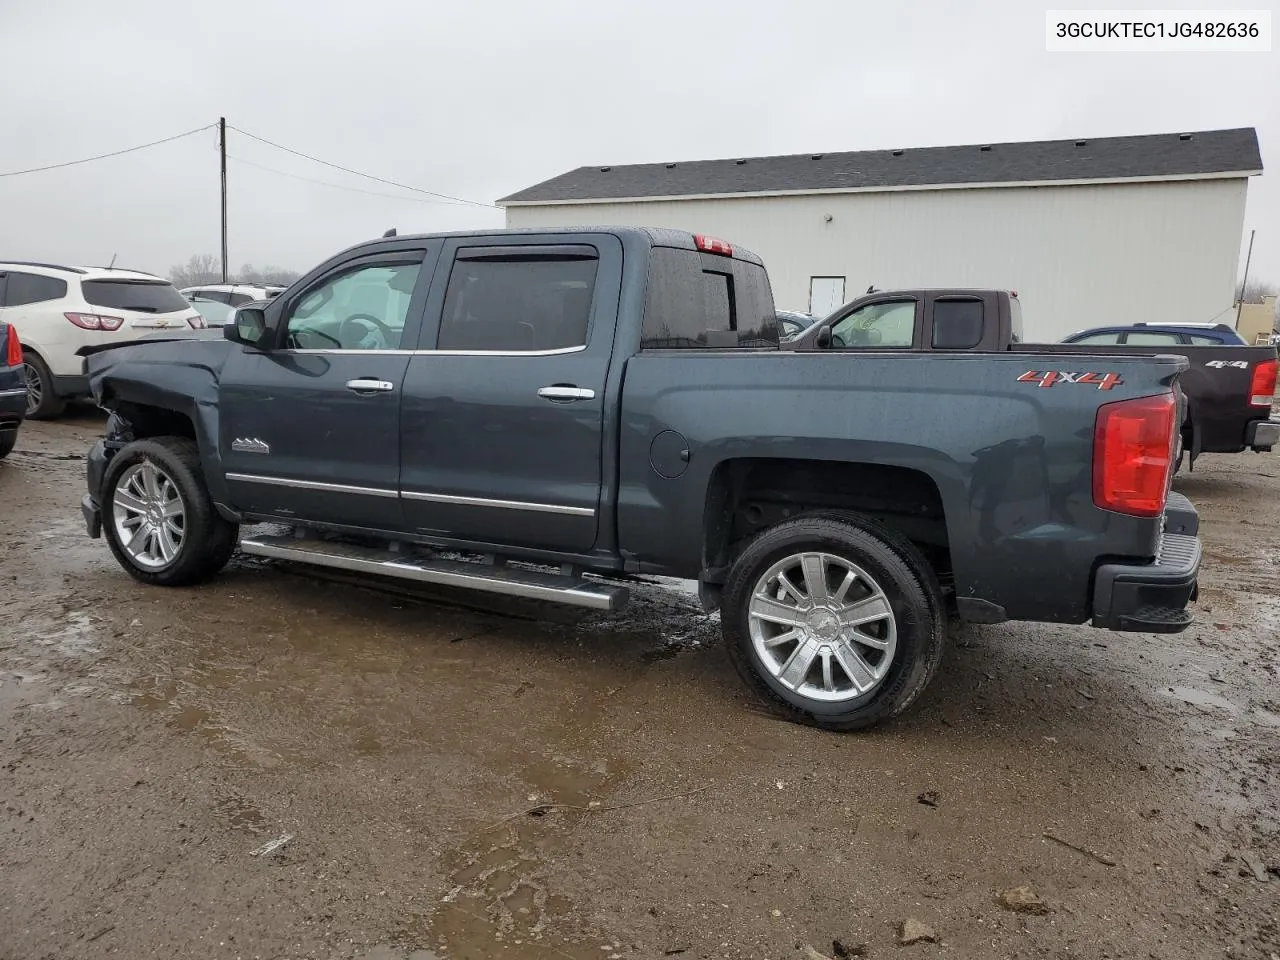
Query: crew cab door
[503,414]
[310,424]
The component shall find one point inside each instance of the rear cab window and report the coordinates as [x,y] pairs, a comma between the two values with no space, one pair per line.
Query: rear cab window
[706,301]
[144,296]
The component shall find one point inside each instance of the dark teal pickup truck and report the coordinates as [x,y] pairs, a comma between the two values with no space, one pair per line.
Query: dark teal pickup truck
[574,409]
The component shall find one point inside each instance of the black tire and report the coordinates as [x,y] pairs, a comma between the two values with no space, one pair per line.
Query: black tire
[7,441]
[50,404]
[908,583]
[207,540]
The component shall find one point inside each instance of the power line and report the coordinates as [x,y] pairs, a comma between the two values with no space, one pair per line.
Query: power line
[338,186]
[104,156]
[368,176]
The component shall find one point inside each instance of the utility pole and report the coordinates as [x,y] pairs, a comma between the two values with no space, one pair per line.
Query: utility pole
[222,157]
[1240,299]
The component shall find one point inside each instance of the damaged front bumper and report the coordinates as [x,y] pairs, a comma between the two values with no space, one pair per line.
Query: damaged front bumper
[1153,597]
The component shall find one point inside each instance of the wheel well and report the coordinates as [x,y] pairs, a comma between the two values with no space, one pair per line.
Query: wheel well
[137,421]
[748,495]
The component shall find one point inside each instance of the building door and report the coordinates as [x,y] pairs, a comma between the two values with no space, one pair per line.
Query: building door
[825,295]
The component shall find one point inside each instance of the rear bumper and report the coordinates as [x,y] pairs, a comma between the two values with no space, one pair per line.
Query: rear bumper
[1262,434]
[13,407]
[1153,597]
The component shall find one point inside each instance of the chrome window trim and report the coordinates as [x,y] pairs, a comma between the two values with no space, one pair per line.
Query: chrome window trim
[500,504]
[312,485]
[559,351]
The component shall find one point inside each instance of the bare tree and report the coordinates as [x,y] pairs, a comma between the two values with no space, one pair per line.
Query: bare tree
[200,268]
[271,275]
[1255,290]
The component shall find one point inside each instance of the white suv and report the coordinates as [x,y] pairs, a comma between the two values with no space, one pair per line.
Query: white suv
[57,310]
[232,294]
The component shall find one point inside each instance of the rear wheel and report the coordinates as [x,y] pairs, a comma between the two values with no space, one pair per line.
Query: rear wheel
[834,619]
[158,517]
[42,402]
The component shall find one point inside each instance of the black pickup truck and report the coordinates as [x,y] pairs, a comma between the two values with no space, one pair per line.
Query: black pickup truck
[1228,389]
[574,409]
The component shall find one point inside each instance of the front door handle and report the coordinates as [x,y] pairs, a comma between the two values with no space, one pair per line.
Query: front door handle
[565,393]
[369,385]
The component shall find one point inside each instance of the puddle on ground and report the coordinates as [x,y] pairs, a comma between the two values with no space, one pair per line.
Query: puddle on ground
[239,812]
[73,638]
[1201,698]
[499,905]
[389,952]
[163,697]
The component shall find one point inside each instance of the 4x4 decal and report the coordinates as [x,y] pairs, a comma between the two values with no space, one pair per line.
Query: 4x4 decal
[1047,378]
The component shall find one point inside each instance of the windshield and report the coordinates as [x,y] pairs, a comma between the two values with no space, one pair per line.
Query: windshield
[144,296]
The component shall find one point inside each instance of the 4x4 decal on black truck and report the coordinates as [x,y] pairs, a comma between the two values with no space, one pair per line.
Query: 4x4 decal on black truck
[1047,378]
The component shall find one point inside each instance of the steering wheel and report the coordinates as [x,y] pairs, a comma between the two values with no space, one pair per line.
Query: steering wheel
[372,327]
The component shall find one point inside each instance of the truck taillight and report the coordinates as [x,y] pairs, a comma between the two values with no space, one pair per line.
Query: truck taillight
[13,352]
[1133,443]
[712,245]
[196,322]
[94,321]
[1264,383]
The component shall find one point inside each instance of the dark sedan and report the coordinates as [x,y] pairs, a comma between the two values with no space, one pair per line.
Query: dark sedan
[13,388]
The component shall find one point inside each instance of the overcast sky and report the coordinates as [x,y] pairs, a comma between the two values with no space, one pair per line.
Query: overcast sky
[479,99]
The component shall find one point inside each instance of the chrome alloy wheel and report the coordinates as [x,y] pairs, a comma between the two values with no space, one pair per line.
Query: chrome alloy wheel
[149,515]
[822,627]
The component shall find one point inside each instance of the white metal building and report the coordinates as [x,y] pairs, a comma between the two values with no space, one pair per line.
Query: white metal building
[1087,231]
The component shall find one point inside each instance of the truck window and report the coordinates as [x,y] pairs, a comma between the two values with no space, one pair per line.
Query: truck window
[518,304]
[704,301]
[1152,338]
[957,324]
[363,309]
[888,324]
[1098,338]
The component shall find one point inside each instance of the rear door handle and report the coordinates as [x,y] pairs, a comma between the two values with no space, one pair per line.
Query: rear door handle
[564,393]
[369,385]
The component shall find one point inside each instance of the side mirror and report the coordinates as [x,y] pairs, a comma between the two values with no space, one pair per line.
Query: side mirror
[823,340]
[248,326]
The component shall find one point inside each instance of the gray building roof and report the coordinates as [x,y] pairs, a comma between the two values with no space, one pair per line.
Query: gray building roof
[1159,156]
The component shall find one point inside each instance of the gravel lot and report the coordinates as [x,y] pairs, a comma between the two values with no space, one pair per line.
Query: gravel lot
[528,783]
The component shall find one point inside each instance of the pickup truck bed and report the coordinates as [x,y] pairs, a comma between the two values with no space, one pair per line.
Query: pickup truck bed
[1227,389]
[573,408]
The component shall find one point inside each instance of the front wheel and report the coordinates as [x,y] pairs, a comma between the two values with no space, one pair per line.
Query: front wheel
[834,619]
[158,517]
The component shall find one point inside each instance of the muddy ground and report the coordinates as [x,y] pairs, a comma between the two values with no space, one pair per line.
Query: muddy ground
[469,784]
